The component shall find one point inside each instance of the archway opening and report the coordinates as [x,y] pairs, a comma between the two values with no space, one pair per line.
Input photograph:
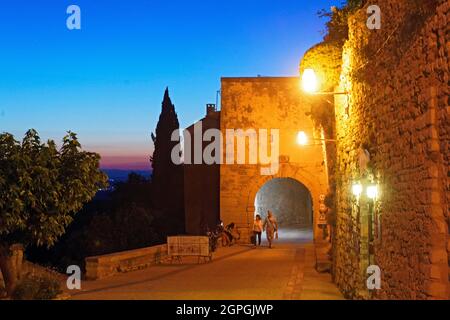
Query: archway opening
[291,203]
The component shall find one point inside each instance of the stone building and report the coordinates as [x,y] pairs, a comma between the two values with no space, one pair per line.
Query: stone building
[269,103]
[201,192]
[392,131]
[234,189]
[398,111]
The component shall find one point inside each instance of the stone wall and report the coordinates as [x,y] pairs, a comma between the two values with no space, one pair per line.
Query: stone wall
[100,267]
[398,110]
[268,103]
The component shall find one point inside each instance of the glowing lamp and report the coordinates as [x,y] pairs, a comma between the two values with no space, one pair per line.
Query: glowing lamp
[302,138]
[309,81]
[372,192]
[357,189]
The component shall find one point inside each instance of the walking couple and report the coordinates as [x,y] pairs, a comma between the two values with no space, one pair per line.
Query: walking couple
[270,226]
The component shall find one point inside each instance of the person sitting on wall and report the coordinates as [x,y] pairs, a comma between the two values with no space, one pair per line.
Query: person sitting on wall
[230,235]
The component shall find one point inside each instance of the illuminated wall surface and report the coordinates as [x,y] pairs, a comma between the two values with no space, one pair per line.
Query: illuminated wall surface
[266,103]
[399,112]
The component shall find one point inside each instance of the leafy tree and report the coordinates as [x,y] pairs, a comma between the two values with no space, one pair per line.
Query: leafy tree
[337,25]
[167,178]
[41,189]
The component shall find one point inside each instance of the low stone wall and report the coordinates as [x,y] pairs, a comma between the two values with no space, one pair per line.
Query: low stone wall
[103,266]
[38,270]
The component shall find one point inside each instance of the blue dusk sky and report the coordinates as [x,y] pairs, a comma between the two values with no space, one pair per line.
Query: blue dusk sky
[107,80]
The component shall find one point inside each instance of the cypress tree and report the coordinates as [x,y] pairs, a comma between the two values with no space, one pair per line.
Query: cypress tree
[167,177]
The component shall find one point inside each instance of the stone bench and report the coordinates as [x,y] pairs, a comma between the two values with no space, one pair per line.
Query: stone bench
[107,265]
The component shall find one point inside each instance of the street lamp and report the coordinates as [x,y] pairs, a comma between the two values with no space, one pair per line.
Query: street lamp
[302,139]
[309,81]
[310,84]
[357,189]
[372,192]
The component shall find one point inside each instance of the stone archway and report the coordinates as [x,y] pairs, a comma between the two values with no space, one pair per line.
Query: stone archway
[297,173]
[269,103]
[291,203]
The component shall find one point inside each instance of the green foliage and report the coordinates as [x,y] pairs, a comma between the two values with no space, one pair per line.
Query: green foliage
[34,287]
[337,24]
[325,59]
[41,187]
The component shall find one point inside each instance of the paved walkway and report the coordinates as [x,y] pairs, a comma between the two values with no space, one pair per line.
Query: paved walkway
[239,272]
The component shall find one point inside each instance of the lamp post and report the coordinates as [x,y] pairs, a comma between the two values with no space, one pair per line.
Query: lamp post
[302,139]
[357,189]
[310,84]
[365,194]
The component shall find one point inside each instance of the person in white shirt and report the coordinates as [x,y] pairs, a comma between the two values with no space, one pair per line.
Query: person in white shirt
[257,230]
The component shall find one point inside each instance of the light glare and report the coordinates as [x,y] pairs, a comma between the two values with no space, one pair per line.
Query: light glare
[309,81]
[302,138]
[372,192]
[357,189]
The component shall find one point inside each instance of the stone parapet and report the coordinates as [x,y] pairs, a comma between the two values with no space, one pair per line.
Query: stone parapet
[107,265]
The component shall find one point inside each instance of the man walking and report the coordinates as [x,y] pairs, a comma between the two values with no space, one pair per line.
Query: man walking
[271,228]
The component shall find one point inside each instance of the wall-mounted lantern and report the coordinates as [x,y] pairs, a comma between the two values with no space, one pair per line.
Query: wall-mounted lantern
[372,192]
[309,81]
[357,189]
[302,139]
[310,84]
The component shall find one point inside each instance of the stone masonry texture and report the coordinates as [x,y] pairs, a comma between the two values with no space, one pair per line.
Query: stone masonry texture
[268,103]
[399,110]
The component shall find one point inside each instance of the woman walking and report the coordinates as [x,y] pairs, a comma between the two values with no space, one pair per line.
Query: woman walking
[257,230]
[271,227]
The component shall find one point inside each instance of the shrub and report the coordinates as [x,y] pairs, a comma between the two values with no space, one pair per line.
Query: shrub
[337,24]
[34,287]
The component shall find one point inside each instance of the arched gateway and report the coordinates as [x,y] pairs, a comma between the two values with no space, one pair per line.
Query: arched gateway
[271,104]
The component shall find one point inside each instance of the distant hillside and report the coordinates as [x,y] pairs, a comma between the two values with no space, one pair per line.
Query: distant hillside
[120,175]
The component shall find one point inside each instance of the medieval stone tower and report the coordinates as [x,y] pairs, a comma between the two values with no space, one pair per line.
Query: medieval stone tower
[273,104]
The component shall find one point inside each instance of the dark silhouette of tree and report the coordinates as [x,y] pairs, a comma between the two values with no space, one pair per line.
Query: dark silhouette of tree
[168,178]
[121,220]
[136,178]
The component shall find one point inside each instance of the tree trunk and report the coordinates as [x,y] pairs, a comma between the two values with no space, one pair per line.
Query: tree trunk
[11,259]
